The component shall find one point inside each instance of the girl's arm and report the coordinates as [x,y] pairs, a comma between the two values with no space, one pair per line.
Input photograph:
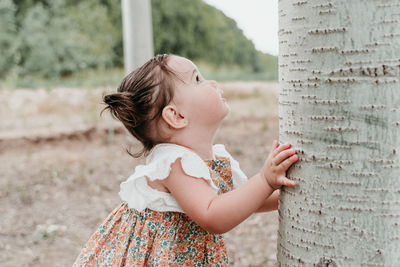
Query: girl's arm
[220,213]
[271,203]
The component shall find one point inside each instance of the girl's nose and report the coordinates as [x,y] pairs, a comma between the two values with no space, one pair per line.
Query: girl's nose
[214,83]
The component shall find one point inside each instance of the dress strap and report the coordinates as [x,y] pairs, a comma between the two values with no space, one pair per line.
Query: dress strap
[238,176]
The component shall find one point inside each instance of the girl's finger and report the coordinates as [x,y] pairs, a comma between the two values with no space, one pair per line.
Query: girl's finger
[289,182]
[275,144]
[280,148]
[285,181]
[283,155]
[288,162]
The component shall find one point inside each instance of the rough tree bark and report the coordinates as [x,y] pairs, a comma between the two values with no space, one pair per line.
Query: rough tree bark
[339,105]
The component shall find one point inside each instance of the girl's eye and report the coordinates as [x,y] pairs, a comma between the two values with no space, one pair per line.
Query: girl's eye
[197,78]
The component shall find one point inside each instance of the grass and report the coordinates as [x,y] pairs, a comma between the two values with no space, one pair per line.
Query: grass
[113,77]
[83,79]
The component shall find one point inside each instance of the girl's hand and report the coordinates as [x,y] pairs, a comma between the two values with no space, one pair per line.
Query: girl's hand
[279,160]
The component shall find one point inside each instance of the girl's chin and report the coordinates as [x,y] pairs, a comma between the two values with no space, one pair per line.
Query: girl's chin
[228,107]
[224,114]
[228,110]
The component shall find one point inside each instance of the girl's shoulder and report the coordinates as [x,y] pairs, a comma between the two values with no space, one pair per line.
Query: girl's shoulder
[139,195]
[163,155]
[170,150]
[193,164]
[220,150]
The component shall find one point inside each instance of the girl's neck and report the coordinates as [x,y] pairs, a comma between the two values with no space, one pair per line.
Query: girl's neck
[200,142]
[203,149]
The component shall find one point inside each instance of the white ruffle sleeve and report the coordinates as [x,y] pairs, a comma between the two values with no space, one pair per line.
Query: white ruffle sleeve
[139,195]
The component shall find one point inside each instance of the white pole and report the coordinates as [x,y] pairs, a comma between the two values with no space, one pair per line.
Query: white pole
[137,33]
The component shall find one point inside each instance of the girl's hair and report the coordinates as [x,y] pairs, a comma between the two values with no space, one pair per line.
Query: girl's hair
[140,99]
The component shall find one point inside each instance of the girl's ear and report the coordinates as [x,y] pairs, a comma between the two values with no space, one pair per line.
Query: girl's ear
[173,117]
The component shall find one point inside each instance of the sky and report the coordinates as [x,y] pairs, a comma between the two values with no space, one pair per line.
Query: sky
[257,18]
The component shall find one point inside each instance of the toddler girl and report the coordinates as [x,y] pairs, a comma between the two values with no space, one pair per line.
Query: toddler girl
[189,192]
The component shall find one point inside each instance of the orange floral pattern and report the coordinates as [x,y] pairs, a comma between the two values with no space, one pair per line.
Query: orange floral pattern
[150,238]
[222,173]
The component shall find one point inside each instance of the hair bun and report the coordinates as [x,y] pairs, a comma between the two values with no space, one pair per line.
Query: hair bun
[116,100]
[121,108]
[140,98]
[110,99]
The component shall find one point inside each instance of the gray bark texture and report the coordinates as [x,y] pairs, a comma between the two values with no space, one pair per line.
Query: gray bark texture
[339,106]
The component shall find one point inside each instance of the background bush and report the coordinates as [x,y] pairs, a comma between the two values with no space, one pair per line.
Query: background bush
[8,35]
[57,38]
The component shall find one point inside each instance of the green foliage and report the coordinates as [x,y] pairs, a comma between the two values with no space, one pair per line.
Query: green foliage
[114,14]
[193,29]
[179,28]
[268,65]
[57,38]
[8,34]
[90,78]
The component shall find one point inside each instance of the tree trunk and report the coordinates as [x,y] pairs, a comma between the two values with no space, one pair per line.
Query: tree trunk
[339,106]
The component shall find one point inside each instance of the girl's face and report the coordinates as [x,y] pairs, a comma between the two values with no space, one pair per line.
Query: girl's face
[200,100]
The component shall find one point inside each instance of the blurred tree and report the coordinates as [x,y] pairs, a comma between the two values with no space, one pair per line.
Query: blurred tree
[76,37]
[8,33]
[115,17]
[58,37]
[268,65]
[194,29]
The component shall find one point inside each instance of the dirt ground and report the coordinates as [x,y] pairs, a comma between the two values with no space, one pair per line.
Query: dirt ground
[61,166]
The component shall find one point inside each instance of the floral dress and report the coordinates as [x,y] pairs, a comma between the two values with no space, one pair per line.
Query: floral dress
[150,229]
